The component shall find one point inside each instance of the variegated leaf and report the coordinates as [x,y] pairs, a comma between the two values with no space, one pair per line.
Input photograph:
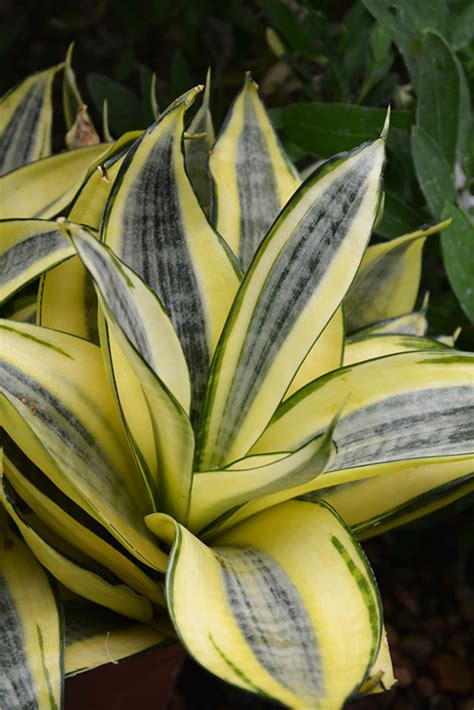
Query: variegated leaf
[31,633]
[96,636]
[252,177]
[143,333]
[370,347]
[270,476]
[387,424]
[26,114]
[288,295]
[88,584]
[44,188]
[272,621]
[27,249]
[155,224]
[58,409]
[387,283]
[373,506]
[73,524]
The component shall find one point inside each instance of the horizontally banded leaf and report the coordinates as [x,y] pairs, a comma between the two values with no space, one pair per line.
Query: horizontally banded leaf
[45,187]
[90,585]
[370,507]
[27,249]
[370,347]
[387,283]
[288,604]
[67,300]
[216,492]
[60,412]
[325,355]
[31,634]
[75,531]
[155,224]
[146,337]
[293,287]
[26,114]
[197,149]
[96,636]
[384,427]
[252,177]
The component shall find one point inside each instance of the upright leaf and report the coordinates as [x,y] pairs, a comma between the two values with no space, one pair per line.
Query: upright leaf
[457,243]
[155,224]
[142,334]
[439,94]
[291,290]
[433,171]
[252,177]
[26,114]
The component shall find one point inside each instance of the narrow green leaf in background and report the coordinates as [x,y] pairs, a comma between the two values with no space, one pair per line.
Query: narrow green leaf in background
[439,94]
[432,170]
[458,251]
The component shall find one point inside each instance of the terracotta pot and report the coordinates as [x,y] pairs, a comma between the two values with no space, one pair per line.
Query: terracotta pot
[145,682]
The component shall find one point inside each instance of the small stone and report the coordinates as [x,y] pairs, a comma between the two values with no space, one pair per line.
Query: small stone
[451,674]
[403,675]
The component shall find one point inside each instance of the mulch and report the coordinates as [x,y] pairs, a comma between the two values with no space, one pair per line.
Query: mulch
[426,579]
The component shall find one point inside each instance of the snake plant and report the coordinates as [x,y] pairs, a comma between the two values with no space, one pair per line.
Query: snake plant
[193,442]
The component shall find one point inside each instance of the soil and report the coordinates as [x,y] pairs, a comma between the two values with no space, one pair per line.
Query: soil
[426,578]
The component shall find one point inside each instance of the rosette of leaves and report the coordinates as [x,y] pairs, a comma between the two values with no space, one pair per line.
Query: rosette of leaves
[184,446]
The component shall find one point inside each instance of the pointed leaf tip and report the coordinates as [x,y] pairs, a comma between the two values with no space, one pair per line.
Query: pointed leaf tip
[386,124]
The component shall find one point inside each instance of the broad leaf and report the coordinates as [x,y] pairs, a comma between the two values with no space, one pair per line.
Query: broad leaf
[370,507]
[288,295]
[268,623]
[390,423]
